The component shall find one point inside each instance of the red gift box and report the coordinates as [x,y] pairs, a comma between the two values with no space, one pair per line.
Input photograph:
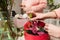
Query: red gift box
[28,36]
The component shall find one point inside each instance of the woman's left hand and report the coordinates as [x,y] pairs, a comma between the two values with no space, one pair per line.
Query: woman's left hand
[52,30]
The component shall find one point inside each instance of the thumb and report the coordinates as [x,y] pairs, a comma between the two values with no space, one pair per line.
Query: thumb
[34,18]
[46,27]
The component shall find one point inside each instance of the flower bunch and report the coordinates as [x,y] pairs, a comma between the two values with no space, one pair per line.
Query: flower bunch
[35,27]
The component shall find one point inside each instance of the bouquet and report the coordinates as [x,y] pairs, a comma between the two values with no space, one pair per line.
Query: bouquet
[34,27]
[34,30]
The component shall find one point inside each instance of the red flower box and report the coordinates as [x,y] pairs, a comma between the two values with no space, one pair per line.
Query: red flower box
[33,37]
[28,36]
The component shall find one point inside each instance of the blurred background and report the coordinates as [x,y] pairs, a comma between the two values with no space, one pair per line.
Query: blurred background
[16,9]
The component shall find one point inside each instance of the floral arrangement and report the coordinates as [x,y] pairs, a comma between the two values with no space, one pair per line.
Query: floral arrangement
[34,30]
[35,27]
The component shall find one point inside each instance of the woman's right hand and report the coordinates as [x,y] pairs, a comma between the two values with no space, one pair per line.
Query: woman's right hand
[38,16]
[52,30]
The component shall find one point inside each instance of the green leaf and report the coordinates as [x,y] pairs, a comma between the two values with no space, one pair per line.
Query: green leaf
[30,15]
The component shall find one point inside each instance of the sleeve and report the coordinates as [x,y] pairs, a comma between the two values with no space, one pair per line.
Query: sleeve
[42,4]
[57,12]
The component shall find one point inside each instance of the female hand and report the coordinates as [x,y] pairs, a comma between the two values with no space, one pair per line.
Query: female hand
[38,16]
[53,30]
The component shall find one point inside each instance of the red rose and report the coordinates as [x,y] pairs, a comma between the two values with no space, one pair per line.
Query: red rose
[27,25]
[41,24]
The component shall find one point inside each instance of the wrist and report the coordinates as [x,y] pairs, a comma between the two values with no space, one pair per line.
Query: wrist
[46,16]
[51,15]
[58,32]
[59,35]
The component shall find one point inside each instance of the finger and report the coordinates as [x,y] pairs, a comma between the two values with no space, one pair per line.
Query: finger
[34,18]
[49,33]
[30,12]
[46,27]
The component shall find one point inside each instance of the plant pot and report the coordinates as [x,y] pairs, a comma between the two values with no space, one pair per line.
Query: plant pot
[28,36]
[36,37]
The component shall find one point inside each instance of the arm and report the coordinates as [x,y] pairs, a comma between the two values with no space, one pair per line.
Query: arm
[42,4]
[54,14]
